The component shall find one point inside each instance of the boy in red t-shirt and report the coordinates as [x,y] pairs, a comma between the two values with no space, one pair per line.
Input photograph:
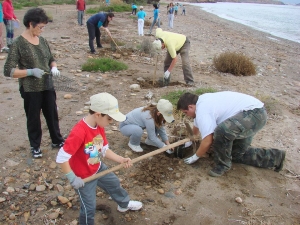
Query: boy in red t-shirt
[80,158]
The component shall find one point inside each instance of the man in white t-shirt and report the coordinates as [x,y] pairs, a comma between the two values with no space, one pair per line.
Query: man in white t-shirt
[227,122]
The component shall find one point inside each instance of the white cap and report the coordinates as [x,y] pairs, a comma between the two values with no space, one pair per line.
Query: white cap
[105,103]
[141,7]
[156,44]
[166,109]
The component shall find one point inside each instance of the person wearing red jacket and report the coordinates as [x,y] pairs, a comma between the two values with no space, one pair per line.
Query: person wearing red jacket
[9,18]
[80,6]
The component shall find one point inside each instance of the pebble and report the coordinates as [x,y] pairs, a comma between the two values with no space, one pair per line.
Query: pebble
[52,165]
[53,216]
[10,189]
[10,162]
[238,200]
[2,199]
[135,87]
[160,191]
[40,188]
[68,96]
[62,199]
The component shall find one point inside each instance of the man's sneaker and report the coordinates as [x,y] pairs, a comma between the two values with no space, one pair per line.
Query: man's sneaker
[58,145]
[132,205]
[100,46]
[217,171]
[93,52]
[149,142]
[36,152]
[279,167]
[135,148]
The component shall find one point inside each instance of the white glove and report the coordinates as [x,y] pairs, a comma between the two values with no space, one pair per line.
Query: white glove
[35,72]
[191,159]
[55,72]
[169,151]
[167,74]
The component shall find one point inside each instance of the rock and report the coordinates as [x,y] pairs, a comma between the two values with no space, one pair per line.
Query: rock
[12,216]
[140,79]
[114,128]
[68,96]
[65,37]
[52,165]
[135,87]
[24,176]
[2,200]
[9,180]
[238,200]
[116,56]
[104,216]
[53,216]
[60,188]
[78,113]
[160,191]
[10,189]
[149,95]
[74,222]
[2,57]
[178,191]
[53,203]
[40,188]
[10,162]
[31,187]
[26,216]
[63,199]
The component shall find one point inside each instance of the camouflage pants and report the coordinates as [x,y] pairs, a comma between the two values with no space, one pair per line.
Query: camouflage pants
[233,137]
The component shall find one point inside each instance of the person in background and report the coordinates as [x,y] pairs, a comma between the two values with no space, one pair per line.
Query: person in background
[175,44]
[94,23]
[183,10]
[176,9]
[156,19]
[107,2]
[168,9]
[141,19]
[171,15]
[227,122]
[81,155]
[80,6]
[152,118]
[9,18]
[31,61]
[133,7]
[2,47]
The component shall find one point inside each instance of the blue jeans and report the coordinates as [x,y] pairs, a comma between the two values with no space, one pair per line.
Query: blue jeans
[80,17]
[87,195]
[155,21]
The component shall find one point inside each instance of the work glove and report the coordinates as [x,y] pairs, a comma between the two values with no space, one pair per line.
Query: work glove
[55,72]
[191,159]
[167,74]
[169,151]
[35,72]
[75,181]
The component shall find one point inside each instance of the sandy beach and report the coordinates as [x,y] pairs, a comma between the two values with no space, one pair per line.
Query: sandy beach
[190,196]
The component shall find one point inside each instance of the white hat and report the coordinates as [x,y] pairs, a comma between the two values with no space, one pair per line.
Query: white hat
[156,44]
[105,103]
[166,109]
[141,7]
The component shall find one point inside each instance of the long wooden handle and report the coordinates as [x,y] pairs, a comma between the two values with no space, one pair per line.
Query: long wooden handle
[115,44]
[120,166]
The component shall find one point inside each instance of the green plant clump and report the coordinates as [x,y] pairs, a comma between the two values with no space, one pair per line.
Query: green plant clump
[112,8]
[103,65]
[235,63]
[174,96]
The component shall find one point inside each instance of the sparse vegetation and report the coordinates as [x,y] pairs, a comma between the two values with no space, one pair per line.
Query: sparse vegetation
[271,105]
[146,46]
[114,7]
[235,63]
[103,65]
[174,96]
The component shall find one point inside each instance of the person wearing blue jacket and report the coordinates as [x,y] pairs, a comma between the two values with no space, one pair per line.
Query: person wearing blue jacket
[94,23]
[156,19]
[133,7]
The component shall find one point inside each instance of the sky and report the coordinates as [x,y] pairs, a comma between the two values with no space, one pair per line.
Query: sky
[292,2]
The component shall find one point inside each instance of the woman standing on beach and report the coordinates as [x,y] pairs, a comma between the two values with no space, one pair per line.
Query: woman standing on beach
[30,60]
[9,19]
[156,19]
[171,15]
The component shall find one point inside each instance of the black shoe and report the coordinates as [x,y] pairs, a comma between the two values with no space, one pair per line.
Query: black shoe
[100,46]
[217,171]
[36,152]
[58,145]
[93,52]
[190,83]
[279,167]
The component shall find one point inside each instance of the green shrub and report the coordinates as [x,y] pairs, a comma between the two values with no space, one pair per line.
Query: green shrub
[174,96]
[235,63]
[122,7]
[103,65]
[146,46]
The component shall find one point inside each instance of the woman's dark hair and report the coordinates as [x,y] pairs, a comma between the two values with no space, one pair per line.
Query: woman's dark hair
[35,16]
[106,22]
[185,100]
[158,120]
[155,6]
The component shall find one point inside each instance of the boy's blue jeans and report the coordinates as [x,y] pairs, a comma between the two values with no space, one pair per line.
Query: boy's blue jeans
[87,195]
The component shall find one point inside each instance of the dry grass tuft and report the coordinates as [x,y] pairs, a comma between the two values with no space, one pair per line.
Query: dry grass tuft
[235,63]
[146,46]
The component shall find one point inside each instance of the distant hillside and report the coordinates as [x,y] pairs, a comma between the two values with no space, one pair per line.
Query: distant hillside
[242,1]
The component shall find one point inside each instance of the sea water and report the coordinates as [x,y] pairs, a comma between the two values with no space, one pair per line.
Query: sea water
[279,20]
